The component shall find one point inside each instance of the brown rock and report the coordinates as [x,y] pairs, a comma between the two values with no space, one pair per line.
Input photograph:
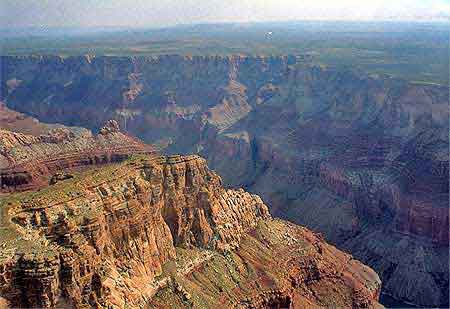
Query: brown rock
[119,237]
[28,162]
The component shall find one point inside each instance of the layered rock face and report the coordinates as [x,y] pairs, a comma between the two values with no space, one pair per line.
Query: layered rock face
[163,232]
[362,159]
[28,161]
[170,94]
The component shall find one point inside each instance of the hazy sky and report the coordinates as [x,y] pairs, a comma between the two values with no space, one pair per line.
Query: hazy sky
[155,13]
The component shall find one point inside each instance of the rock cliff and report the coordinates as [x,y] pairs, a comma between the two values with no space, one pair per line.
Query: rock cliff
[163,232]
[30,161]
[358,158]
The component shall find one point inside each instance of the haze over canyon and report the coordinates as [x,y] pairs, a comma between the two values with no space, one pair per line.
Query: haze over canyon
[360,158]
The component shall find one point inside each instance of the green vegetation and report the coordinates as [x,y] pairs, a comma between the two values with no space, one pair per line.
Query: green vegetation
[416,52]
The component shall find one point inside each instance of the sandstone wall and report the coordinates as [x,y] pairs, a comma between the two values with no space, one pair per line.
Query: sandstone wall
[105,239]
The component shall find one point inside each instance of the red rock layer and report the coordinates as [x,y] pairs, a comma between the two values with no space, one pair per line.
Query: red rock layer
[105,237]
[27,162]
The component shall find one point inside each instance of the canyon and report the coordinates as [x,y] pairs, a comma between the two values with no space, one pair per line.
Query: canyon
[149,231]
[362,159]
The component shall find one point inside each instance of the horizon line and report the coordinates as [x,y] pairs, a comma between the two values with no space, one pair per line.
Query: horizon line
[365,20]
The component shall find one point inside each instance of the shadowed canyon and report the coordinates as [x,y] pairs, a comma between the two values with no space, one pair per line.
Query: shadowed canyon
[104,221]
[361,159]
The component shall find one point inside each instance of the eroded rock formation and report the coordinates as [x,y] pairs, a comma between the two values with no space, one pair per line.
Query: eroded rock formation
[29,162]
[362,159]
[163,232]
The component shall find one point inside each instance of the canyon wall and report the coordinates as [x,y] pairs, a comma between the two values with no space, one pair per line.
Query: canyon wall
[358,158]
[33,161]
[144,232]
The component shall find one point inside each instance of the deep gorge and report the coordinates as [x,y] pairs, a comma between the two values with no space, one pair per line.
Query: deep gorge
[362,159]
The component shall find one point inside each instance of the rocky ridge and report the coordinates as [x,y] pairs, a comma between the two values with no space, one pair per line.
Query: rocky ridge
[146,231]
[28,161]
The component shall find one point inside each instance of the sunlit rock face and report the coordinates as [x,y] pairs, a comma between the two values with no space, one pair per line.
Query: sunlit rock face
[163,232]
[362,159]
[32,161]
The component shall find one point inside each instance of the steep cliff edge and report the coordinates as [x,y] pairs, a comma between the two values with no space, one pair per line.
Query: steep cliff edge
[360,159]
[30,161]
[162,231]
